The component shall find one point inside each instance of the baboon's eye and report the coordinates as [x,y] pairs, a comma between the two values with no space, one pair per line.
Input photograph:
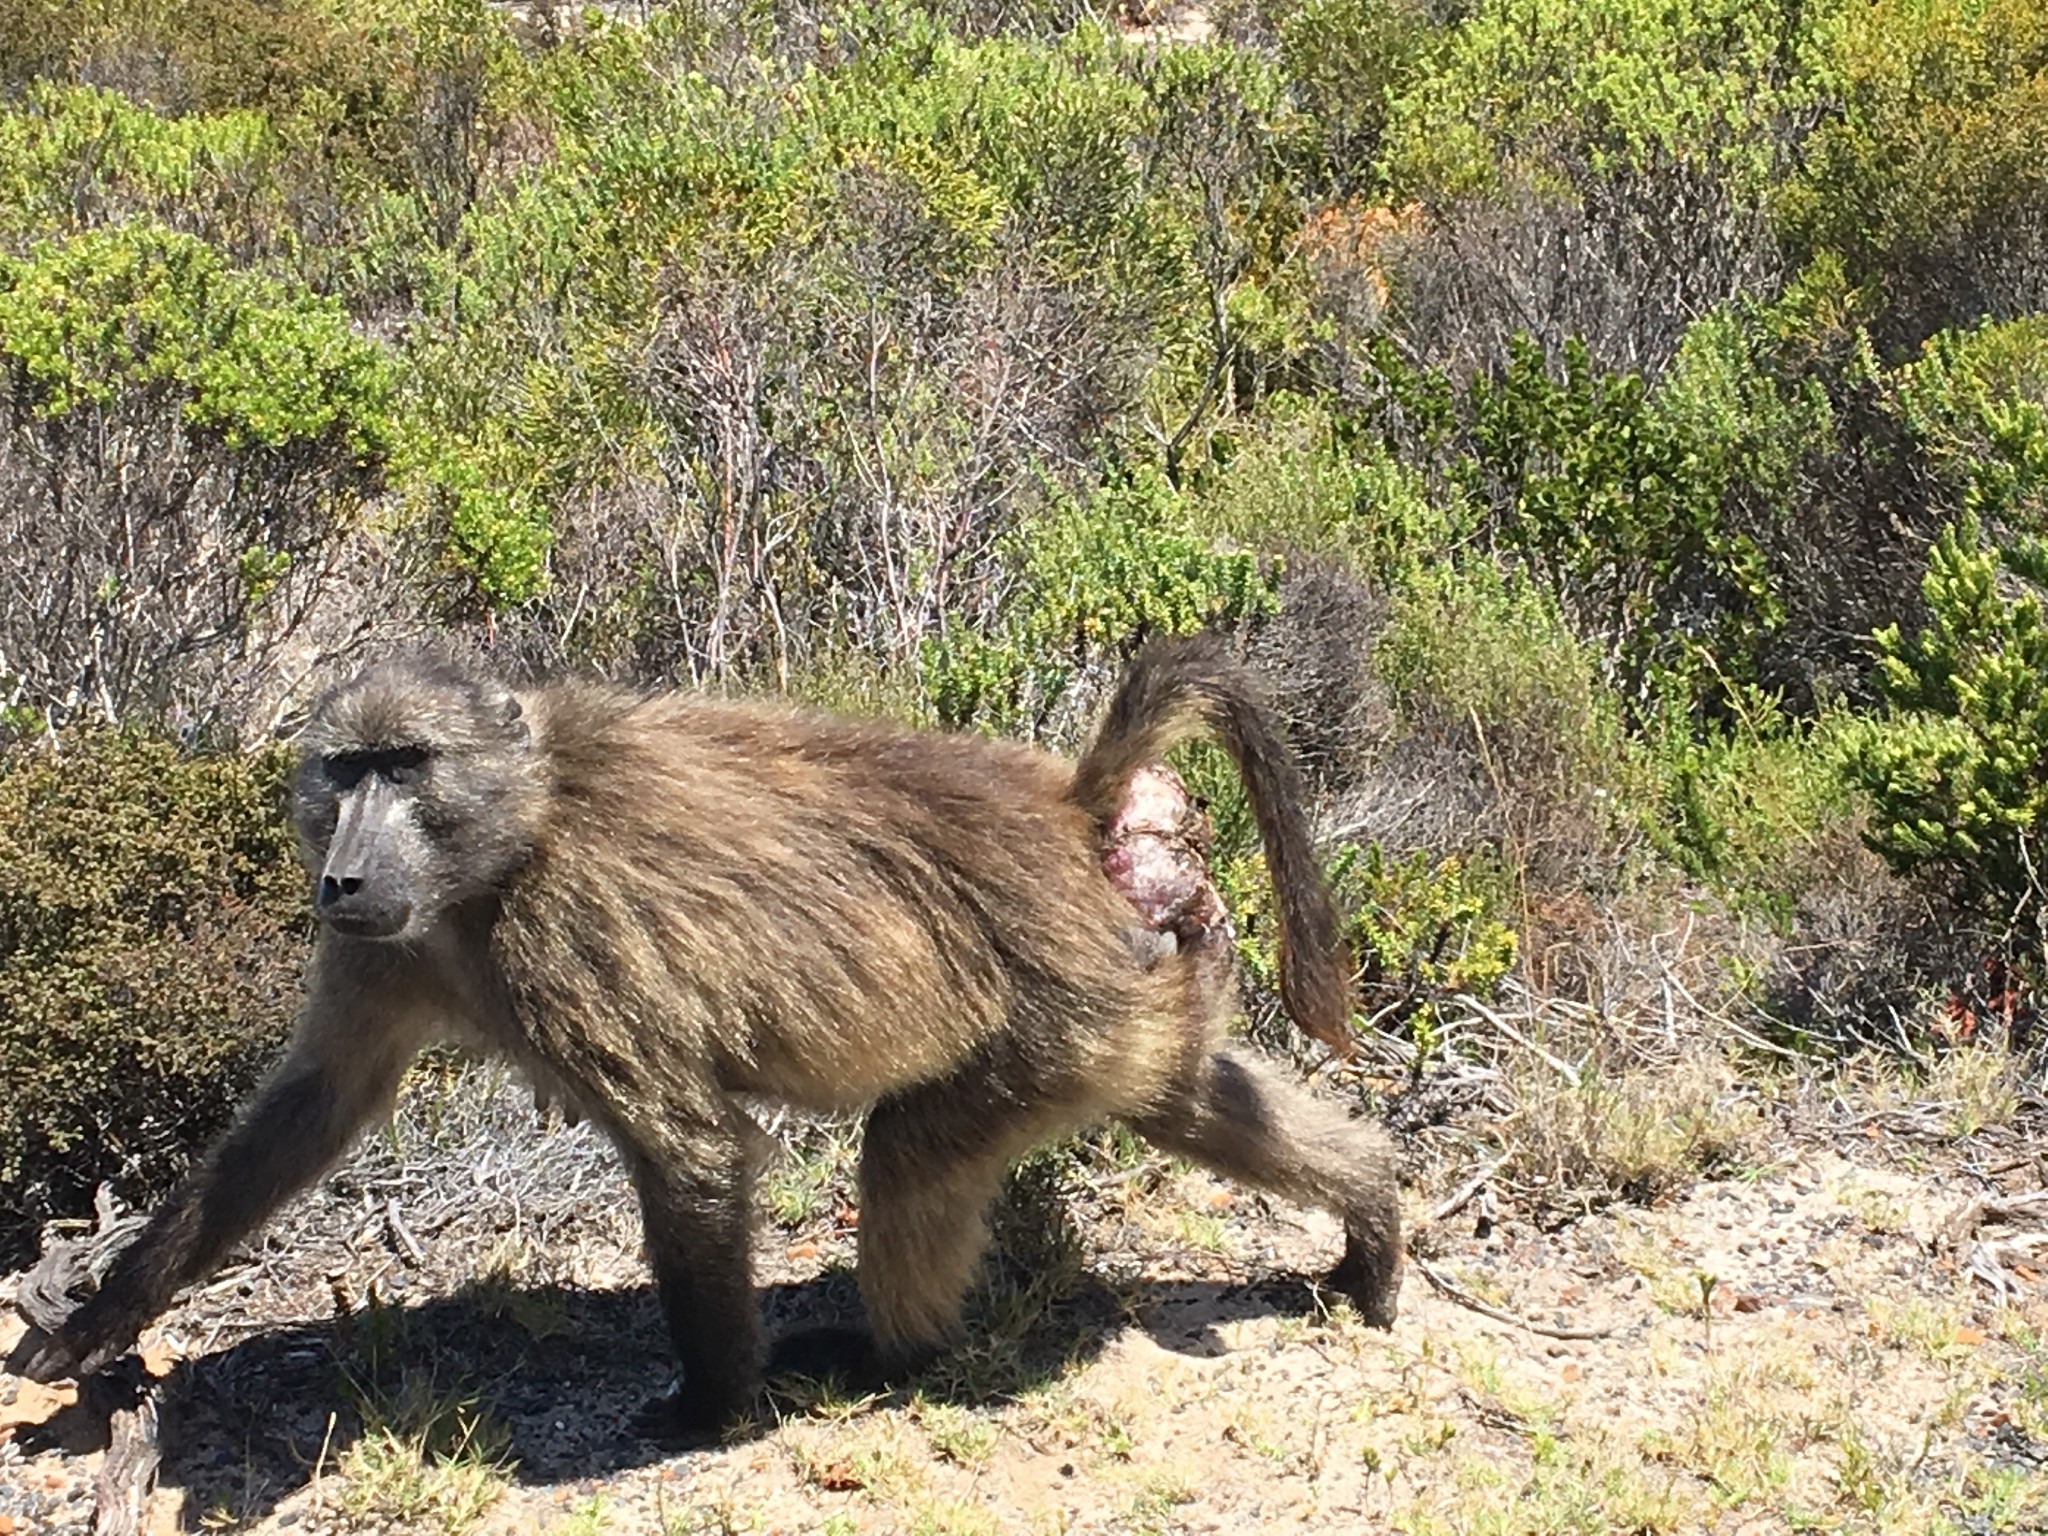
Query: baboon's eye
[402,766]
[394,765]
[344,770]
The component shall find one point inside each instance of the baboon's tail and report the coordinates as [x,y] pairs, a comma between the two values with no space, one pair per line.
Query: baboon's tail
[1179,689]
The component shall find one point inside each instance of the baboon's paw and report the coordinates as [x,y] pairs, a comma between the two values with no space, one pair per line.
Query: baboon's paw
[1371,1281]
[848,1356]
[682,1420]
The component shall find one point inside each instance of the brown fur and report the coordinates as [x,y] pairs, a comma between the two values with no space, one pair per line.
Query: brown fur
[661,903]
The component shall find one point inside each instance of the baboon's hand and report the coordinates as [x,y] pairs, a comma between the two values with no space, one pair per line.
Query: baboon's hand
[43,1357]
[64,1354]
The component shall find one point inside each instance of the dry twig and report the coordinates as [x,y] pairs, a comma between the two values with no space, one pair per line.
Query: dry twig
[1459,1197]
[2011,1209]
[1466,1299]
[1993,1260]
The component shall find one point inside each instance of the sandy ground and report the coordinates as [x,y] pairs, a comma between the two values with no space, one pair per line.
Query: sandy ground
[455,1342]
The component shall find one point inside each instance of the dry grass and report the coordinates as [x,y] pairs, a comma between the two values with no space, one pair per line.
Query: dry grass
[1631,1135]
[424,1460]
[1787,1345]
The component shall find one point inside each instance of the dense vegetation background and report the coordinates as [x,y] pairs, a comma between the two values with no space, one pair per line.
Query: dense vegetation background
[1621,427]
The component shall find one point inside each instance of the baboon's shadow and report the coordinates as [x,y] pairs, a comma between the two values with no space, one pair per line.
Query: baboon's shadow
[564,1370]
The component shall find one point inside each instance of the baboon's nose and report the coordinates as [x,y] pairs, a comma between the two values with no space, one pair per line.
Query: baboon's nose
[333,889]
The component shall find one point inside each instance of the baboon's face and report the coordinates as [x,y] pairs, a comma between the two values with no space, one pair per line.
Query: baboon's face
[411,796]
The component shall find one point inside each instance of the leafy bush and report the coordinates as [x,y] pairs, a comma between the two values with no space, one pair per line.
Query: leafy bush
[152,918]
[185,443]
[1958,772]
[1591,171]
[1516,745]
[1094,581]
[1300,476]
[756,355]
[73,157]
[1975,406]
[1755,808]
[1523,89]
[1647,512]
[389,95]
[1422,924]
[1474,650]
[1346,59]
[1423,927]
[1617,511]
[1957,769]
[113,313]
[1925,180]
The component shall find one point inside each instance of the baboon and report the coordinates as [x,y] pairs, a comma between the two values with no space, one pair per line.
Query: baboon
[665,904]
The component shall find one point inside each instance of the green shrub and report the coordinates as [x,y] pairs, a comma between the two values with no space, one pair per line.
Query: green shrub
[76,156]
[1522,91]
[1958,771]
[1925,180]
[1755,807]
[1424,926]
[1485,657]
[1345,60]
[1649,513]
[1300,477]
[1975,405]
[487,497]
[339,141]
[626,322]
[140,307]
[187,443]
[1094,580]
[387,91]
[1617,508]
[37,38]
[152,920]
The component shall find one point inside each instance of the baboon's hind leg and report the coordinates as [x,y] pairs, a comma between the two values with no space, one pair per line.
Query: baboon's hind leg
[933,1159]
[1244,1120]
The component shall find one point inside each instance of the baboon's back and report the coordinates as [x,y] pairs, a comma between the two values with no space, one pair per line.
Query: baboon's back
[822,909]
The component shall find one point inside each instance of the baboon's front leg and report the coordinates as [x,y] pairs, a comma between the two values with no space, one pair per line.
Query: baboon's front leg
[692,1175]
[1244,1120]
[342,1071]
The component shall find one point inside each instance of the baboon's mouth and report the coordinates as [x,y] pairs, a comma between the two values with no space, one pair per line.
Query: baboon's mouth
[369,925]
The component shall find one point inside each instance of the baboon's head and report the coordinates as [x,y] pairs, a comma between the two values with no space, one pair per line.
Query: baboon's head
[414,789]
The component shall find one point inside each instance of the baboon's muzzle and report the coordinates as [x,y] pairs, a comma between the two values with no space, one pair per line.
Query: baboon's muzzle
[362,890]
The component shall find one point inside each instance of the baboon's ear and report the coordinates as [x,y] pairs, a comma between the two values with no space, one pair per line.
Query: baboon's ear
[511,713]
[496,704]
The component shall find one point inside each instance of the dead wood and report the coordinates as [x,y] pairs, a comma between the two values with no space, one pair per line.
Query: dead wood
[127,1477]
